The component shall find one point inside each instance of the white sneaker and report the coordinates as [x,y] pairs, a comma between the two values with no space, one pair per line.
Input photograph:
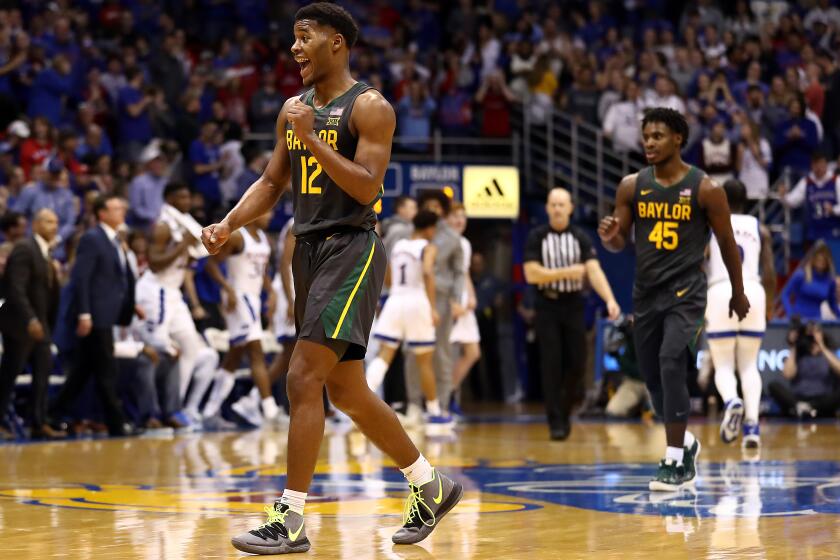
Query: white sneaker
[195,420]
[245,408]
[733,415]
[439,424]
[216,423]
[280,420]
[414,415]
[805,411]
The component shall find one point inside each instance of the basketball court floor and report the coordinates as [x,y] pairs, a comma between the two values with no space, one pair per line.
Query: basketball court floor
[526,497]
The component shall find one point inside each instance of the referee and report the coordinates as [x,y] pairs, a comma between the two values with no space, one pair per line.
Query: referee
[558,256]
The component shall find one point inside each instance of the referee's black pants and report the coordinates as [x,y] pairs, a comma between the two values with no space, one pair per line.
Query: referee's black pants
[561,333]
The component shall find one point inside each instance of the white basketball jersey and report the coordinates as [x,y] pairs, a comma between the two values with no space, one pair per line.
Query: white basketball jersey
[281,239]
[173,275]
[748,239]
[466,247]
[281,246]
[407,266]
[246,270]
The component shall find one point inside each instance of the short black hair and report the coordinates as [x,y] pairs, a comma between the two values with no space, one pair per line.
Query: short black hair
[101,202]
[327,13]
[818,155]
[670,118]
[173,187]
[736,194]
[435,194]
[425,219]
[9,220]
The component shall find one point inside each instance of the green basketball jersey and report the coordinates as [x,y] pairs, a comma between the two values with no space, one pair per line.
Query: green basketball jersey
[671,229]
[319,203]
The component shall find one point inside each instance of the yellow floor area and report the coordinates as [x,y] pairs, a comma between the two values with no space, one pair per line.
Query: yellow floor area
[526,497]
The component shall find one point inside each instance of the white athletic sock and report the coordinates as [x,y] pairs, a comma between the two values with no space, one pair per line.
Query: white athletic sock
[253,395]
[420,472]
[747,356]
[222,386]
[376,373]
[433,407]
[723,357]
[295,500]
[270,408]
[674,454]
[689,439]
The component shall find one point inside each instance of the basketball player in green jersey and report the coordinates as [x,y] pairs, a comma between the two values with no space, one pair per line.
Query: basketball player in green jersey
[334,144]
[672,205]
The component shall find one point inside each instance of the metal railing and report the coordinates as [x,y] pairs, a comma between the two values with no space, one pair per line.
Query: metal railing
[562,150]
[441,148]
[773,213]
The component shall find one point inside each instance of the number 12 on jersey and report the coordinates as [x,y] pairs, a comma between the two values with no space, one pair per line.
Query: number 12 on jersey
[306,179]
[664,235]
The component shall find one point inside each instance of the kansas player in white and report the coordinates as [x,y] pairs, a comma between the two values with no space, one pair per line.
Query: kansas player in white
[158,293]
[465,330]
[733,344]
[284,314]
[247,255]
[409,315]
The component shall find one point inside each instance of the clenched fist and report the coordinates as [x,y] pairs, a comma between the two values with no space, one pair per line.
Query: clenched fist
[302,117]
[214,236]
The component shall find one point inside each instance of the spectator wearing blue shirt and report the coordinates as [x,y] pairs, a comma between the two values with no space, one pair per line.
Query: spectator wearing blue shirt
[145,192]
[414,116]
[94,144]
[811,285]
[135,125]
[206,164]
[753,79]
[49,87]
[796,139]
[53,193]
[256,160]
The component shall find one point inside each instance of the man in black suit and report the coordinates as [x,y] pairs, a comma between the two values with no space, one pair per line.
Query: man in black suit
[102,292]
[27,316]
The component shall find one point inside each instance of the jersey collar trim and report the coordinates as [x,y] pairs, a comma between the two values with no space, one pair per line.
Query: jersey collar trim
[676,185]
[310,98]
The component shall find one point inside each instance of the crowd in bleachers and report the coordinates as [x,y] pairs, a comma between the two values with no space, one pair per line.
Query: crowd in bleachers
[125,96]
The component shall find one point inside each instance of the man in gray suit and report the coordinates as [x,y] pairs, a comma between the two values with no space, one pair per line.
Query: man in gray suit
[449,281]
[399,225]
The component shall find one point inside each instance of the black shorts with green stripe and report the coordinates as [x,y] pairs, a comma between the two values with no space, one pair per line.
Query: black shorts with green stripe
[338,277]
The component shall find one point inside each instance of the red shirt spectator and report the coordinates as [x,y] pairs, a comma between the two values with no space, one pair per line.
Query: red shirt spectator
[36,149]
[494,98]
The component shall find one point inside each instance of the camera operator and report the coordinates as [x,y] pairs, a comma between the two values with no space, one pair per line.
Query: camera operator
[631,395]
[812,372]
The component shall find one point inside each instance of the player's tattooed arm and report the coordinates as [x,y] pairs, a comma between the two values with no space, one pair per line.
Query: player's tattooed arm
[712,198]
[262,194]
[614,230]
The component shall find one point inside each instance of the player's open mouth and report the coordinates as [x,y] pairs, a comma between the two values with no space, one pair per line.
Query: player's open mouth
[304,65]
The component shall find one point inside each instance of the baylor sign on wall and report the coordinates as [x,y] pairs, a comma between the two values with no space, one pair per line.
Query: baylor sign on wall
[491,191]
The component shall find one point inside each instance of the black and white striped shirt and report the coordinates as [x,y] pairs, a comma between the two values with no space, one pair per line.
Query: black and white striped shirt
[559,249]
